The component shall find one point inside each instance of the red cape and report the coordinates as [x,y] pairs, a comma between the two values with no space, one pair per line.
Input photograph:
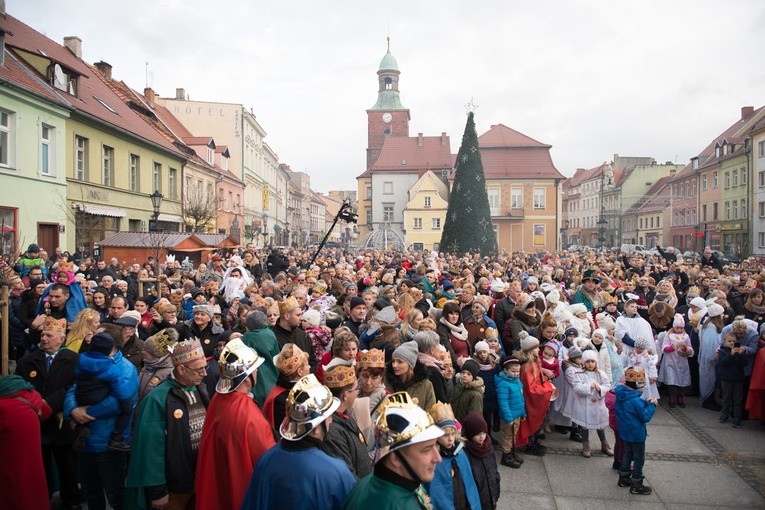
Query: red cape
[22,476]
[234,437]
[268,405]
[536,392]
[755,400]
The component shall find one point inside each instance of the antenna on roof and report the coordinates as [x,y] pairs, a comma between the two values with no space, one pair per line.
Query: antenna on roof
[147,75]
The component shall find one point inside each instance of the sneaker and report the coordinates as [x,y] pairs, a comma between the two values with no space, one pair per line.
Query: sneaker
[724,419]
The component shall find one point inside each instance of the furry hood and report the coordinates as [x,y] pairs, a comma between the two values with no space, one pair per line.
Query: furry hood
[529,320]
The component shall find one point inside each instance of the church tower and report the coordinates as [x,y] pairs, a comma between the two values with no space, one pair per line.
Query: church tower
[387,117]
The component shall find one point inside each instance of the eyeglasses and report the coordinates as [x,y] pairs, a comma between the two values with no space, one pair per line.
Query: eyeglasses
[199,371]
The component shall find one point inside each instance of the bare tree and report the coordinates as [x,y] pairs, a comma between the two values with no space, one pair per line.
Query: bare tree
[199,210]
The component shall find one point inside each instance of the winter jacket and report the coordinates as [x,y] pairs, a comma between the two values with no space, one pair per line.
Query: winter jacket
[468,398]
[454,468]
[749,342]
[298,337]
[345,441]
[486,476]
[632,414]
[152,373]
[17,327]
[510,397]
[123,381]
[589,405]
[418,387]
[730,367]
[487,373]
[502,312]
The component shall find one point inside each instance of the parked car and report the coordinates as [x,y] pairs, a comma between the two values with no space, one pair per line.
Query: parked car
[691,257]
[633,249]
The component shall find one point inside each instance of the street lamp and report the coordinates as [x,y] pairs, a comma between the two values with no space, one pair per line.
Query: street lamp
[265,229]
[606,178]
[156,203]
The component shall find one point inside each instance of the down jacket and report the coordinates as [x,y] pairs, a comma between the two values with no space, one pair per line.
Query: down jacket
[632,414]
[510,397]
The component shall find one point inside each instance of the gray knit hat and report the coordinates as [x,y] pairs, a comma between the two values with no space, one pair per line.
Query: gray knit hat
[205,309]
[574,352]
[407,352]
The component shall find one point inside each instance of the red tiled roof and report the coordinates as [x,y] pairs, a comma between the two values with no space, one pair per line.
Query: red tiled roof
[431,155]
[197,140]
[734,134]
[648,196]
[95,97]
[582,175]
[501,136]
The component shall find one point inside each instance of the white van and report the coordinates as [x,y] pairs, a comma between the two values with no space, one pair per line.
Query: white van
[633,249]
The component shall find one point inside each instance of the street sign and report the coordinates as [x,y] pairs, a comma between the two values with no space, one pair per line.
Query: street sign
[698,234]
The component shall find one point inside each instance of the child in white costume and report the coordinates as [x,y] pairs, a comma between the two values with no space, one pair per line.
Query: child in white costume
[643,356]
[590,412]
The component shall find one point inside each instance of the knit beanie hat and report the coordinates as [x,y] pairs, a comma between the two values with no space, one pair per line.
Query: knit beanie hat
[679,322]
[471,366]
[553,297]
[589,355]
[473,424]
[528,342]
[553,346]
[525,301]
[312,317]
[642,343]
[481,346]
[103,343]
[698,302]
[571,332]
[574,352]
[577,308]
[715,310]
[205,309]
[602,332]
[408,352]
[533,280]
[356,301]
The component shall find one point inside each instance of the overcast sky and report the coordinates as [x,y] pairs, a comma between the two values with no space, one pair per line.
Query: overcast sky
[592,78]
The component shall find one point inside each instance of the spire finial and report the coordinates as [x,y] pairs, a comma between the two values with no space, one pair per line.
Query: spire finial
[388,43]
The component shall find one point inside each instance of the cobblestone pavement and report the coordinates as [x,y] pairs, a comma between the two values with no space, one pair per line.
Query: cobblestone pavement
[692,462]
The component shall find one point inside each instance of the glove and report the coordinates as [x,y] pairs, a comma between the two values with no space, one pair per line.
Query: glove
[669,348]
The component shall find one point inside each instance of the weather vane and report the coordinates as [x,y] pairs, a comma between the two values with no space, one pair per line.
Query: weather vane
[471,107]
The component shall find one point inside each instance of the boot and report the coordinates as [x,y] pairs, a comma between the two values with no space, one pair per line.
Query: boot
[576,435]
[533,449]
[518,459]
[681,401]
[637,487]
[586,449]
[624,479]
[711,404]
[509,461]
[606,448]
[540,446]
[672,401]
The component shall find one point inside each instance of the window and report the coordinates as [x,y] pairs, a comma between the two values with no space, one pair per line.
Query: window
[80,158]
[494,201]
[210,156]
[761,179]
[221,198]
[744,176]
[539,198]
[210,193]
[436,223]
[8,222]
[63,79]
[761,149]
[762,239]
[761,207]
[703,212]
[727,180]
[651,221]
[387,212]
[47,158]
[200,189]
[134,173]
[516,198]
[744,212]
[172,180]
[715,180]
[727,210]
[641,223]
[230,203]
[156,177]
[388,188]
[368,212]
[107,169]
[735,178]
[7,120]
[418,223]
[735,209]
[427,202]
[369,192]
[714,210]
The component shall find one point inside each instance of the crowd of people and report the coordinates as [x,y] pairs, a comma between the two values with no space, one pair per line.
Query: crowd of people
[367,379]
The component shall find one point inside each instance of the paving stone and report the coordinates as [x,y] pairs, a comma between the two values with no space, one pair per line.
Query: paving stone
[629,502]
[530,478]
[516,500]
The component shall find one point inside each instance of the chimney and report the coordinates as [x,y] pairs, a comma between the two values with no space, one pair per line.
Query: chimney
[148,92]
[104,68]
[74,44]
[419,139]
[180,94]
[746,111]
[2,8]
[443,138]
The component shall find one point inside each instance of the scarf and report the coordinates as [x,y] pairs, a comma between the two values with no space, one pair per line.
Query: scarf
[459,332]
[480,450]
[429,361]
[751,307]
[11,384]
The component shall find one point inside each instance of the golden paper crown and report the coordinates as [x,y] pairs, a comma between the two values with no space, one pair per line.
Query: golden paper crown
[290,365]
[490,333]
[159,344]
[288,305]
[339,376]
[64,265]
[54,325]
[442,414]
[186,351]
[373,358]
[636,375]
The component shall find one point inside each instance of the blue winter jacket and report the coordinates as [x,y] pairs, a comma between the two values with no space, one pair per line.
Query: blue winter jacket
[632,414]
[441,488]
[490,401]
[123,380]
[510,397]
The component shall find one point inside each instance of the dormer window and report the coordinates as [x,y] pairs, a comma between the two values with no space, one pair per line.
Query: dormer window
[63,79]
[224,162]
[210,156]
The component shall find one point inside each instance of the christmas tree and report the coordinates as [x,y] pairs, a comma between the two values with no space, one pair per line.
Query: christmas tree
[468,225]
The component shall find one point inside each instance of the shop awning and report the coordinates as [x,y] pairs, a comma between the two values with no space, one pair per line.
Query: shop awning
[170,218]
[99,210]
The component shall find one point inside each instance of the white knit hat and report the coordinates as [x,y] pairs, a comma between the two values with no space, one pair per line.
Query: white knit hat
[577,308]
[312,317]
[589,355]
[715,310]
[553,297]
